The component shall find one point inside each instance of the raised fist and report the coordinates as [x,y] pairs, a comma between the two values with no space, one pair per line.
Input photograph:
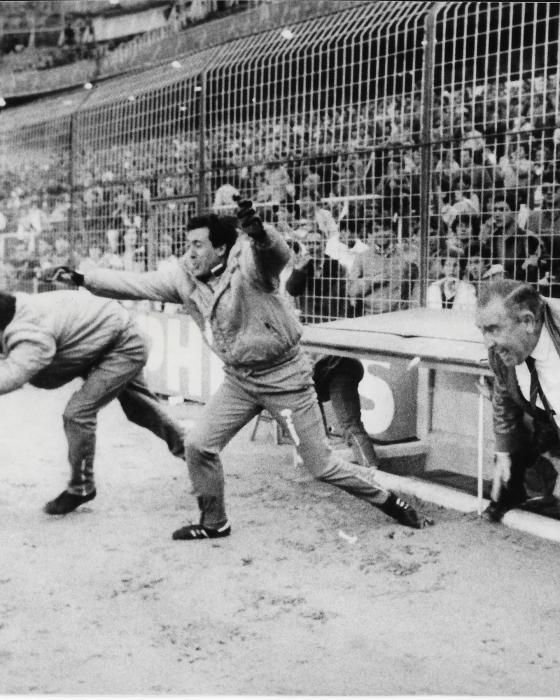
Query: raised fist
[249,220]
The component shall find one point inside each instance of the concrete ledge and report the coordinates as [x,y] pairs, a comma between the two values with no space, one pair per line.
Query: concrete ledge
[531,523]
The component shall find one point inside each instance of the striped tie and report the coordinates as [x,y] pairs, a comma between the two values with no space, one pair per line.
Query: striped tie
[534,389]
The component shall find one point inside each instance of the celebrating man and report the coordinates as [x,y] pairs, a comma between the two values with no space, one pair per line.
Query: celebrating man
[230,287]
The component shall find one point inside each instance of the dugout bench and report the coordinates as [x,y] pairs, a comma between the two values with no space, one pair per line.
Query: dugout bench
[431,340]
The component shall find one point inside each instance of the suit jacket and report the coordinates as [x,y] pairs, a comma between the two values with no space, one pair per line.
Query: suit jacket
[508,403]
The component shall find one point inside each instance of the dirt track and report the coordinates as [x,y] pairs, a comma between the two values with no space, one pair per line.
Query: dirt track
[102,601]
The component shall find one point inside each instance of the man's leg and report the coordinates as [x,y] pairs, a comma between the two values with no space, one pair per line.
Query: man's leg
[141,406]
[226,412]
[325,465]
[343,383]
[103,383]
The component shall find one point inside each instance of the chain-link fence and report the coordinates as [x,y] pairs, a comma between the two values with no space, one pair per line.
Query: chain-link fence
[407,151]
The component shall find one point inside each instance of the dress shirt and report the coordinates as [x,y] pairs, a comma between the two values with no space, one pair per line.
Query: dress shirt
[547,363]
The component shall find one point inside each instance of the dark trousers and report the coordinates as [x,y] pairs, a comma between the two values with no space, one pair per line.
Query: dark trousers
[336,379]
[117,375]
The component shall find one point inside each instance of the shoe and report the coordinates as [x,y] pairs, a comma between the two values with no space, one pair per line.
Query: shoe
[201,532]
[494,512]
[404,513]
[497,509]
[66,502]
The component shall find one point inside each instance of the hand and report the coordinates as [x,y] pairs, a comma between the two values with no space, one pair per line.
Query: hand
[502,474]
[532,261]
[63,274]
[249,220]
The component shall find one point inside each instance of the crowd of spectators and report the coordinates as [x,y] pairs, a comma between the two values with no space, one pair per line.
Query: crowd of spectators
[350,175]
[40,49]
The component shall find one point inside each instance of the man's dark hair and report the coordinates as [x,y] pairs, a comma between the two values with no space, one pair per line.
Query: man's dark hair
[517,297]
[222,229]
[472,221]
[7,309]
[504,196]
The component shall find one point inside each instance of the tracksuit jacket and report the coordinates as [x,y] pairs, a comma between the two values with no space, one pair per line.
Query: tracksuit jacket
[52,339]
[242,315]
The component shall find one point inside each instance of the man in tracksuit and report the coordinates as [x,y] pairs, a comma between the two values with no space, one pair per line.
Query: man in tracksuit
[230,287]
[51,339]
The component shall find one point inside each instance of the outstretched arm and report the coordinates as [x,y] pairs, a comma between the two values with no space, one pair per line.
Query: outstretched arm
[170,285]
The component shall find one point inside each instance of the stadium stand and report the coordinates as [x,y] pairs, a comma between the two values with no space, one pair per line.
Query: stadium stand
[437,123]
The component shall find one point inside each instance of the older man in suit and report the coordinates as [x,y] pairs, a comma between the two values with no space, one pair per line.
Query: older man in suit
[522,333]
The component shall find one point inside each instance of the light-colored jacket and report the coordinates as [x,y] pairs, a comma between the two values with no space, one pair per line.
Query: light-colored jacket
[508,403]
[55,337]
[243,316]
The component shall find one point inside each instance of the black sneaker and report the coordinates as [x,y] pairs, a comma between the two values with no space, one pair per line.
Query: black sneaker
[201,532]
[66,502]
[495,512]
[404,513]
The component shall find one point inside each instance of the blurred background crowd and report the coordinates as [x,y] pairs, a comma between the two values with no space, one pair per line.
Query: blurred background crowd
[361,183]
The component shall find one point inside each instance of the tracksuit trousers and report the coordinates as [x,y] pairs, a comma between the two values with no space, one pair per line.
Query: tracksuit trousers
[117,374]
[243,394]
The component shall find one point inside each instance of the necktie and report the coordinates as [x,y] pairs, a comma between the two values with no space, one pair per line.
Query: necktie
[536,389]
[535,385]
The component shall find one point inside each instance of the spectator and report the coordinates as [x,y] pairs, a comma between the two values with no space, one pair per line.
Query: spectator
[516,170]
[545,223]
[450,292]
[24,265]
[319,282]
[312,210]
[465,229]
[482,178]
[62,254]
[395,190]
[381,277]
[518,251]
[225,196]
[543,171]
[447,170]
[473,264]
[93,260]
[345,246]
[458,202]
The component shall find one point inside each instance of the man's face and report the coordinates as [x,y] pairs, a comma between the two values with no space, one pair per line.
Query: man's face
[464,230]
[315,244]
[551,196]
[201,254]
[475,268]
[512,339]
[502,214]
[450,267]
